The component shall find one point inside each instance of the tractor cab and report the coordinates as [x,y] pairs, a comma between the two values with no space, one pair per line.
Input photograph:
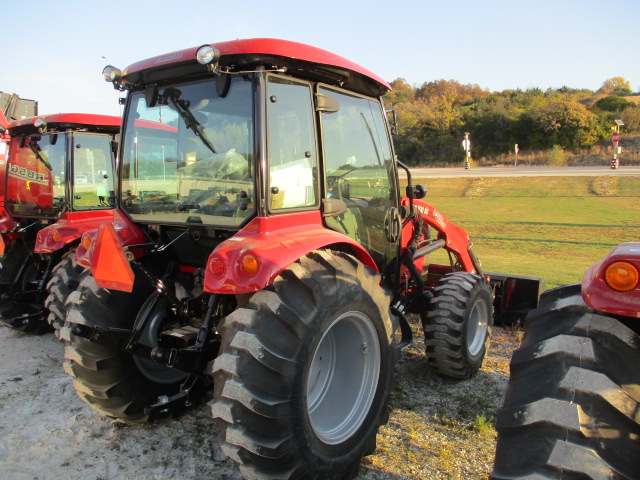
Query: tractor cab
[221,139]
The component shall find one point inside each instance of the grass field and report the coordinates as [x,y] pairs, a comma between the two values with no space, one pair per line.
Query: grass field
[549,227]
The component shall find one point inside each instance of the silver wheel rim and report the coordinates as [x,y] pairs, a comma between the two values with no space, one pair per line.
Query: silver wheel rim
[477,327]
[343,377]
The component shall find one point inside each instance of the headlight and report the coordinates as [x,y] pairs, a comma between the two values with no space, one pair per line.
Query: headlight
[111,74]
[207,54]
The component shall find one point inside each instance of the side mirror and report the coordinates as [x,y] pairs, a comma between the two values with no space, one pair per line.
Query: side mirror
[416,191]
[332,207]
[326,103]
[392,119]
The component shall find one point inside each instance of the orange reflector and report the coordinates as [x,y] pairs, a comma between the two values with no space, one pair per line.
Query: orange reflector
[55,236]
[249,264]
[622,276]
[110,268]
[1,245]
[86,241]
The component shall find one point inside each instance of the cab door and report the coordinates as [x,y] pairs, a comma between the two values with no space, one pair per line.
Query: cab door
[359,170]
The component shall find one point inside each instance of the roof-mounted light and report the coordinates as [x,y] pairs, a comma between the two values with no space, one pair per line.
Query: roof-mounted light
[207,54]
[111,74]
[40,124]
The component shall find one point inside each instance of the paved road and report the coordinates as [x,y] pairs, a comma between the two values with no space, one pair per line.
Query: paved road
[523,172]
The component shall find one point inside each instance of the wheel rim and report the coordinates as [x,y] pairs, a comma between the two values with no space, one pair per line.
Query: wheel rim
[477,327]
[343,377]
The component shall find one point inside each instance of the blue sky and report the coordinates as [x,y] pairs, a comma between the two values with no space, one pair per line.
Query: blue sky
[52,51]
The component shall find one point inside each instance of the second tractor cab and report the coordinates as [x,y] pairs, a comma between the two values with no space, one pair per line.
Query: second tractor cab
[60,183]
[263,248]
[12,107]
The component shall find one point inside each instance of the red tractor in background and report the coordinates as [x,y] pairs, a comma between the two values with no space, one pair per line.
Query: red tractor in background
[572,408]
[12,107]
[262,249]
[59,183]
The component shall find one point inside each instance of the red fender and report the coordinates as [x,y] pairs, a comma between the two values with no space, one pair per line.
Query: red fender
[69,227]
[457,240]
[255,256]
[599,296]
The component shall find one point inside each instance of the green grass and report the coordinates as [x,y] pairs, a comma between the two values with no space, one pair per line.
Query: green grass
[548,227]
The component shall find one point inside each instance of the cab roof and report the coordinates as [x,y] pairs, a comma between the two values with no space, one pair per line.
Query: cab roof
[64,121]
[299,60]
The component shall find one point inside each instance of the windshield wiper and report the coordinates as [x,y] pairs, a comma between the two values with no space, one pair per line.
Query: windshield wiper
[182,107]
[35,148]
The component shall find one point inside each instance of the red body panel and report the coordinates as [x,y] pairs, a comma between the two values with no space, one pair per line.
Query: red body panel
[128,234]
[262,47]
[32,181]
[4,156]
[599,296]
[276,242]
[70,226]
[4,151]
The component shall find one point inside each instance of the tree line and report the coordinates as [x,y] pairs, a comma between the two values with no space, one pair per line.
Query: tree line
[433,118]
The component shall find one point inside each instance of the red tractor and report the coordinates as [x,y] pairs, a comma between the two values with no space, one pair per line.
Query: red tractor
[572,408]
[263,249]
[59,183]
[12,107]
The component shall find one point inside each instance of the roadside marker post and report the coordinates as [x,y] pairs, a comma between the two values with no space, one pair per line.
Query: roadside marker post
[615,138]
[466,145]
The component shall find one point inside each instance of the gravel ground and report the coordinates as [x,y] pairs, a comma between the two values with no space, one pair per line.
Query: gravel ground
[438,429]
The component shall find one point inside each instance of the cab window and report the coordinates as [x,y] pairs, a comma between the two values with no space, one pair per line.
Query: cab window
[359,171]
[293,159]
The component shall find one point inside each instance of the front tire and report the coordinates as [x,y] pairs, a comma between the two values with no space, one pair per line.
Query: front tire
[457,325]
[305,369]
[113,382]
[571,407]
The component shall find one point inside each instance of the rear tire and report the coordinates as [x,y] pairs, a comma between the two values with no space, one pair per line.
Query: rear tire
[571,408]
[113,382]
[13,258]
[457,325]
[305,369]
[65,279]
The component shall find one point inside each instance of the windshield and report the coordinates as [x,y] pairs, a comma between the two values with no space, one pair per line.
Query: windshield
[92,172]
[36,175]
[187,153]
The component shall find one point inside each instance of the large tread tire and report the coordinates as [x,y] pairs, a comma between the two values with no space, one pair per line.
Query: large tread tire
[263,398]
[65,279]
[572,407]
[457,325]
[104,376]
